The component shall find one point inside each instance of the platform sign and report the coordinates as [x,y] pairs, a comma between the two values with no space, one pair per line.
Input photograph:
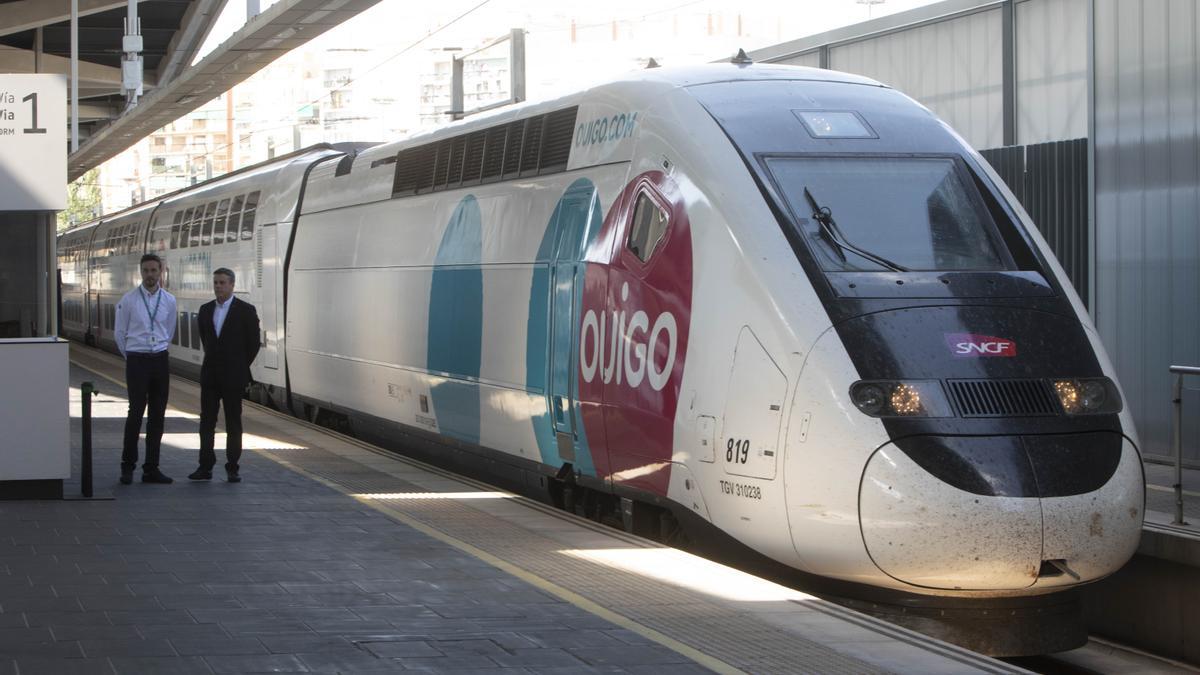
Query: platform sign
[33,142]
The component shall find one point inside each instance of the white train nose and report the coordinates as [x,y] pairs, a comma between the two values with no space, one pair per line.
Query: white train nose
[924,531]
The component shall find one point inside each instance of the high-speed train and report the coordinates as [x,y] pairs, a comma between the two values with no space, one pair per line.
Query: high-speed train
[784,309]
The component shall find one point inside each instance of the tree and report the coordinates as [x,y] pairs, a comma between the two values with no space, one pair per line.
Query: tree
[83,200]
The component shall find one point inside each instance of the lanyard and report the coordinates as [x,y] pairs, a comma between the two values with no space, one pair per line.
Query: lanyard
[152,315]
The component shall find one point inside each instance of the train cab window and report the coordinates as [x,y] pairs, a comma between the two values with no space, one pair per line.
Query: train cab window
[925,214]
[648,227]
[219,223]
[235,218]
[175,229]
[248,216]
[210,213]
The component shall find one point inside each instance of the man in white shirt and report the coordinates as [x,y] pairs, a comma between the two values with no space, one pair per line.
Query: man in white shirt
[145,326]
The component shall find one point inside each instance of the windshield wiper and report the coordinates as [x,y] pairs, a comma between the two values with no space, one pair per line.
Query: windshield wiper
[833,233]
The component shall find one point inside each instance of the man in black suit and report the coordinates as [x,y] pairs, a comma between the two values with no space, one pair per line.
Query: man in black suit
[229,333]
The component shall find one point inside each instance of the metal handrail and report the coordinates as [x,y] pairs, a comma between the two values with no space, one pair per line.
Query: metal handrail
[1177,437]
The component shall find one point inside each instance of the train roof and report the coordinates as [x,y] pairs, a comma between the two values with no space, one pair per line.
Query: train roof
[654,82]
[240,171]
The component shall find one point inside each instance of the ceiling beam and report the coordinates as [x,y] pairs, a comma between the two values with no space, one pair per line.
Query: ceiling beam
[90,112]
[26,15]
[193,30]
[282,27]
[13,60]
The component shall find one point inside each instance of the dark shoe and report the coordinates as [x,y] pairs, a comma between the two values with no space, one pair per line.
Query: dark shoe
[126,477]
[233,477]
[200,474]
[156,477]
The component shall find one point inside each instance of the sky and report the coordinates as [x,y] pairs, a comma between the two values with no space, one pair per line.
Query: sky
[407,25]
[569,45]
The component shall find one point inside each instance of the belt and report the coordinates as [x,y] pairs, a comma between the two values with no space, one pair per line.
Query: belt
[146,355]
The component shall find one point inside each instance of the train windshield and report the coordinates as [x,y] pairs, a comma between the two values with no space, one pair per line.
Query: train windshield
[896,214]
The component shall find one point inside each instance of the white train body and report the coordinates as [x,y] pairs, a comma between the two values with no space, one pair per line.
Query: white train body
[483,286]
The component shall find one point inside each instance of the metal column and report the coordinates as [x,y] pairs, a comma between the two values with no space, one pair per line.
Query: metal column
[74,75]
[1008,50]
[50,228]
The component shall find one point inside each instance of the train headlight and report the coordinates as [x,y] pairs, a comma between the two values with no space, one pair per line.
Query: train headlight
[1087,396]
[909,398]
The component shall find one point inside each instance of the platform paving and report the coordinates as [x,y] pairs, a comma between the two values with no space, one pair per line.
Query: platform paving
[335,557]
[276,574]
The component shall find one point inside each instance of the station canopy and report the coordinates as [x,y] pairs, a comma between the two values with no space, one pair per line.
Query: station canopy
[172,34]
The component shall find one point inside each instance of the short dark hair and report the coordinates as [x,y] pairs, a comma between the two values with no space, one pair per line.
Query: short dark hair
[151,257]
[227,272]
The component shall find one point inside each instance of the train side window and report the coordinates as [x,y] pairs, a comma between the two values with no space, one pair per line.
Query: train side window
[235,218]
[175,337]
[210,213]
[1020,250]
[175,229]
[248,216]
[219,223]
[185,229]
[195,326]
[648,227]
[194,237]
[182,332]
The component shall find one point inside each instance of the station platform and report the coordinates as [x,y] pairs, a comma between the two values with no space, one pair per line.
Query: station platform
[333,556]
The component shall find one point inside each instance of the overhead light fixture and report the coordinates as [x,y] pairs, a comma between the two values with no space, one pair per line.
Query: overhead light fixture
[185,99]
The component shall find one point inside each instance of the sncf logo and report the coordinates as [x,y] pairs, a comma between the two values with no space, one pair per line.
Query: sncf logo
[969,345]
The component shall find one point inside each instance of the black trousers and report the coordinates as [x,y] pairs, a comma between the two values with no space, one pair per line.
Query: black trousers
[212,396]
[147,377]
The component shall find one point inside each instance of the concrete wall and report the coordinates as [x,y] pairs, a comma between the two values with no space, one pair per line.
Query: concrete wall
[1153,603]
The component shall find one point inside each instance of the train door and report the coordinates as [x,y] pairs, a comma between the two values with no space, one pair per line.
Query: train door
[648,301]
[266,260]
[566,279]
